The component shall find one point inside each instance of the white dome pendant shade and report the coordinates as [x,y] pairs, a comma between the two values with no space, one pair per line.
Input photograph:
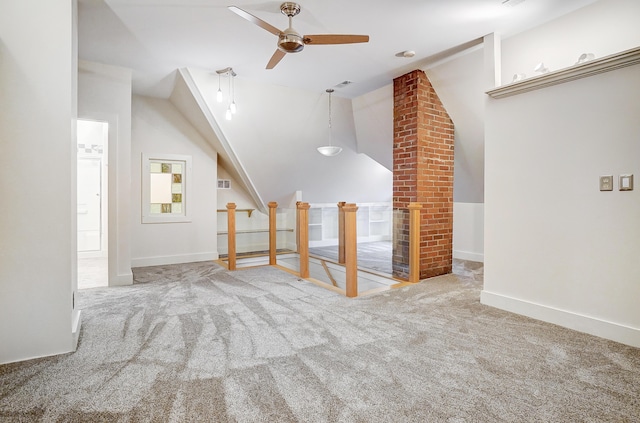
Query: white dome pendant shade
[329,150]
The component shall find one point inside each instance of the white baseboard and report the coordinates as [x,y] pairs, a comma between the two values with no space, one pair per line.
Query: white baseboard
[75,328]
[581,323]
[123,279]
[177,259]
[468,255]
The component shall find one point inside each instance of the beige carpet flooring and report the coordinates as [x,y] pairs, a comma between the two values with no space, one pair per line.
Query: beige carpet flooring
[196,343]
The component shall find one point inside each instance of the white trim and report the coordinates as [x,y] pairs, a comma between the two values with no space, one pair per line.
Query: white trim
[122,279]
[76,323]
[176,259]
[468,255]
[229,152]
[583,70]
[587,324]
[147,216]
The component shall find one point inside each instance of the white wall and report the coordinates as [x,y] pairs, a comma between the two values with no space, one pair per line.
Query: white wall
[556,248]
[158,128]
[468,231]
[602,28]
[459,84]
[37,179]
[373,118]
[275,135]
[104,94]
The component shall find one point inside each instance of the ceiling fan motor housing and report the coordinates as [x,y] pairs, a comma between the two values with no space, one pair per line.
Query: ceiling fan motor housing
[290,41]
[290,9]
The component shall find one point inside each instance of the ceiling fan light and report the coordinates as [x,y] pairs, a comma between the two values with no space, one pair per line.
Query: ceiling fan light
[329,150]
[290,42]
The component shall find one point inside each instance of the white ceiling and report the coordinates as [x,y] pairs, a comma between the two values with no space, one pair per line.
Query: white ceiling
[156,37]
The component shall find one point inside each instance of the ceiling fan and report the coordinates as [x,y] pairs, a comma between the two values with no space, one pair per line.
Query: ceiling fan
[289,40]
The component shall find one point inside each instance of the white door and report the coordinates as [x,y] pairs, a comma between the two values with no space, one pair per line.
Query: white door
[89,196]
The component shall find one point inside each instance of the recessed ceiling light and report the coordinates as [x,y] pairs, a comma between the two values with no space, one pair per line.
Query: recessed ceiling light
[406,53]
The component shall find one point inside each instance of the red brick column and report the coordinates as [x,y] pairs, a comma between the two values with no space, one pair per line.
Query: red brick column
[422,173]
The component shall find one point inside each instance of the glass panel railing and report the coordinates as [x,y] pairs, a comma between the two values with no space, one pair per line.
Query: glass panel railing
[374,222]
[252,233]
[286,230]
[323,231]
[381,242]
[400,244]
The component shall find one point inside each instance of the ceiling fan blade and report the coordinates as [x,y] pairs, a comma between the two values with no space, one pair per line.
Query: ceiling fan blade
[335,39]
[277,56]
[254,19]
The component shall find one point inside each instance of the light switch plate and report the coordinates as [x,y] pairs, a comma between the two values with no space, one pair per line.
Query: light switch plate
[626,182]
[606,183]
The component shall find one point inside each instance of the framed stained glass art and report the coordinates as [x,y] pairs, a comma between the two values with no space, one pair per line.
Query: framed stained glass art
[165,188]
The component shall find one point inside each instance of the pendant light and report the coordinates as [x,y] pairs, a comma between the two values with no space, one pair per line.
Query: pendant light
[329,150]
[231,102]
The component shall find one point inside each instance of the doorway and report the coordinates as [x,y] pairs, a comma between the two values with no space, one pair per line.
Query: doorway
[92,207]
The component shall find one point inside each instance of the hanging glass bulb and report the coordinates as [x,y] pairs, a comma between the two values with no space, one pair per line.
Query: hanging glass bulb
[232,106]
[229,114]
[219,93]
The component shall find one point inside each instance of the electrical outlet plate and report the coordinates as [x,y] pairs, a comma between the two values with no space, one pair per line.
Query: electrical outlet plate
[626,182]
[606,183]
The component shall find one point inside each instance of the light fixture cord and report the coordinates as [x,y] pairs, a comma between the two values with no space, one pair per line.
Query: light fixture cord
[329,110]
[229,101]
[330,136]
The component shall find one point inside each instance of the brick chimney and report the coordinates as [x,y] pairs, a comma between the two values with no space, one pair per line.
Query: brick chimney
[422,173]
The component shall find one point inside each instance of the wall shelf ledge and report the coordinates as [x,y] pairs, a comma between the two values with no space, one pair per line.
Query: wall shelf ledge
[583,70]
[249,211]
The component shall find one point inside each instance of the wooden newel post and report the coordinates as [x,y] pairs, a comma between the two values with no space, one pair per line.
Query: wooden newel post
[231,235]
[341,232]
[303,246]
[298,226]
[272,232]
[351,249]
[414,242]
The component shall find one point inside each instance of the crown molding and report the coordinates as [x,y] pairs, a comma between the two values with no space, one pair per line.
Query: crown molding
[582,70]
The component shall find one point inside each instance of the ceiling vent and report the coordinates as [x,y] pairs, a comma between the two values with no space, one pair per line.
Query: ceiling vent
[512,2]
[344,84]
